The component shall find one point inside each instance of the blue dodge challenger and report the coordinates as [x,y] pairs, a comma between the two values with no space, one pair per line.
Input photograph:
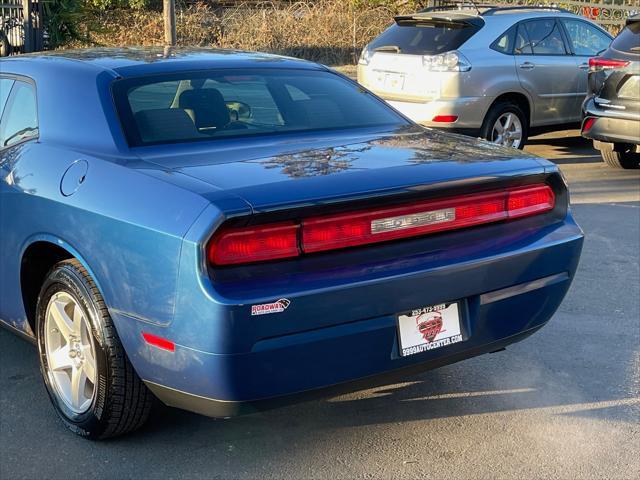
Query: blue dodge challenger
[229,231]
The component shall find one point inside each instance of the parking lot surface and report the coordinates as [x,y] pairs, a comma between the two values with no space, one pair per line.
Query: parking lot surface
[564,403]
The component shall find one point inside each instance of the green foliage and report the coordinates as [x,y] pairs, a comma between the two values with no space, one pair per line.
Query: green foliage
[61,18]
[133,4]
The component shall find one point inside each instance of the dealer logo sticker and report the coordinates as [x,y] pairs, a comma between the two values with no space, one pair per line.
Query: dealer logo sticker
[429,325]
[266,308]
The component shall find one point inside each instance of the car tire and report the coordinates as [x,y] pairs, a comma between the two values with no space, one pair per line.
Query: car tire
[621,156]
[497,115]
[90,381]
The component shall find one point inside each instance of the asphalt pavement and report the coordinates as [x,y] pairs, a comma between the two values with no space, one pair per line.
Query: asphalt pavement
[564,403]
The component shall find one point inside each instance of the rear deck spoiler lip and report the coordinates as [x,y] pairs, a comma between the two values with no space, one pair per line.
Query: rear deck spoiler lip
[457,18]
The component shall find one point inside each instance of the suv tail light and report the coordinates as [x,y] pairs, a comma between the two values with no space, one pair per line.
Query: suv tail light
[588,123]
[597,64]
[330,232]
[446,62]
[365,56]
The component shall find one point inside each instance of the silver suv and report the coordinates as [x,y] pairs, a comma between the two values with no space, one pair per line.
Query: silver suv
[492,72]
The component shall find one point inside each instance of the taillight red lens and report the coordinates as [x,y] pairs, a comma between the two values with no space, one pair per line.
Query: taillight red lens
[588,123]
[339,231]
[254,244]
[598,63]
[329,232]
[530,201]
[445,118]
[159,342]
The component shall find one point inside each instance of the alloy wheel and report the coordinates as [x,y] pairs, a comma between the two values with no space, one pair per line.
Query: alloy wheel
[507,130]
[70,353]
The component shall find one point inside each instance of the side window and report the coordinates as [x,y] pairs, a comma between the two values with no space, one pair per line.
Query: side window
[504,44]
[545,37]
[586,39]
[522,46]
[20,116]
[5,89]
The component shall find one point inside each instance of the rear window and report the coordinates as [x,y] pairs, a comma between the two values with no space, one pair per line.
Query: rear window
[195,106]
[415,37]
[629,39]
[504,43]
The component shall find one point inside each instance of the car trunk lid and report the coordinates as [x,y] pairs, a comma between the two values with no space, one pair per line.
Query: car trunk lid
[287,173]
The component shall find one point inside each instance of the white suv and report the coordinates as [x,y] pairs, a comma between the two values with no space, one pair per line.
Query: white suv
[494,73]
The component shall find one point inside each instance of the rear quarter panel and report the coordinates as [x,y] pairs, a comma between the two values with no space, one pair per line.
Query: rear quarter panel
[125,226]
[492,73]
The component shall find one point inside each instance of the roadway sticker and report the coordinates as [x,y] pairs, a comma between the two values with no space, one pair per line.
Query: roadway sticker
[266,308]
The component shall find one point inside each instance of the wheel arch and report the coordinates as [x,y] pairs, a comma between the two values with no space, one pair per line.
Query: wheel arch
[38,256]
[520,99]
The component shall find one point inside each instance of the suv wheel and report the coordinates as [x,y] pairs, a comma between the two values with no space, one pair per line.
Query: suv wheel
[506,125]
[621,156]
[88,376]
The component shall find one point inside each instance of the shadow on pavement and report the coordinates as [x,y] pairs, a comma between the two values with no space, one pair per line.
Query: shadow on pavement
[577,160]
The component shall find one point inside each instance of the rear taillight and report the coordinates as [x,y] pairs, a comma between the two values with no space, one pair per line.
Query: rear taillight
[446,62]
[330,232]
[588,123]
[255,244]
[597,63]
[365,56]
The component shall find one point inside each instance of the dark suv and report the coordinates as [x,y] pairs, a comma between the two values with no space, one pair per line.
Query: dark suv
[611,111]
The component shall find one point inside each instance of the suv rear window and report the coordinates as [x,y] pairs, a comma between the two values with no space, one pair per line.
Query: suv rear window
[424,37]
[629,39]
[206,105]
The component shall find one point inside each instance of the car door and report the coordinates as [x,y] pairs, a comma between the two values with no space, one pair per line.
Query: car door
[585,40]
[18,125]
[547,70]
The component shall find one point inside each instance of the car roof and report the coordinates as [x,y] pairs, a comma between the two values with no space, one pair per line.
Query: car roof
[134,61]
[78,83]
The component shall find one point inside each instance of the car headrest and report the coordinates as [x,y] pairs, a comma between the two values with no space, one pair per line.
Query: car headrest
[206,106]
[165,124]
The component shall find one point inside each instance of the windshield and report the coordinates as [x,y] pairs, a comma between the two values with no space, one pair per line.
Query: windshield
[423,37]
[188,106]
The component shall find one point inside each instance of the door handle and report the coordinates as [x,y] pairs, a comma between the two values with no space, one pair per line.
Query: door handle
[527,66]
[583,66]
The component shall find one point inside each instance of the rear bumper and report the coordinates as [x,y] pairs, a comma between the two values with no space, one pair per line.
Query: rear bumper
[611,127]
[504,297]
[469,110]
[212,407]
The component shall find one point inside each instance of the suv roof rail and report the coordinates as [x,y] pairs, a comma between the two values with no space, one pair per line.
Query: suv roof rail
[493,10]
[457,6]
